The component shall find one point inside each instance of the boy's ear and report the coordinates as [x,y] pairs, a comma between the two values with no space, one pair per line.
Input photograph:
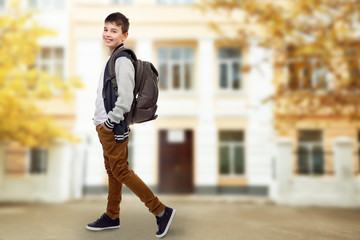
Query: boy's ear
[125,35]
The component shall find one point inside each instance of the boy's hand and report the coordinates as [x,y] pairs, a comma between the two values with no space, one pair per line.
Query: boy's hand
[102,125]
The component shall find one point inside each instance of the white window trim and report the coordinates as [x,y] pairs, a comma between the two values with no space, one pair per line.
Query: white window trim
[232,145]
[227,92]
[316,73]
[229,62]
[52,62]
[181,62]
[28,164]
[309,146]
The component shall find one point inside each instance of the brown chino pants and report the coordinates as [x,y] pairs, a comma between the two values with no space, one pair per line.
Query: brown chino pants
[117,168]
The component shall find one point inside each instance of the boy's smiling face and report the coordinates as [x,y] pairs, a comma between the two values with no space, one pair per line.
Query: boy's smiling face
[113,35]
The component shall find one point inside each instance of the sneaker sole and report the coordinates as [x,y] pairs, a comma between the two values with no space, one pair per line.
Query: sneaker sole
[99,229]
[168,225]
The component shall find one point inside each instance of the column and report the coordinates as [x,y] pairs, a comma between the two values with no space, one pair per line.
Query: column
[144,135]
[343,159]
[206,165]
[344,173]
[283,169]
[59,172]
[260,133]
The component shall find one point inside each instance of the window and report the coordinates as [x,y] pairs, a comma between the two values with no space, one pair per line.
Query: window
[232,153]
[229,68]
[310,153]
[353,61]
[38,161]
[46,3]
[2,3]
[185,2]
[176,68]
[305,72]
[51,60]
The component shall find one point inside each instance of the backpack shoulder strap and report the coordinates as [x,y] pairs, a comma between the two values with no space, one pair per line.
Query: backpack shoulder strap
[111,72]
[131,52]
[138,69]
[111,66]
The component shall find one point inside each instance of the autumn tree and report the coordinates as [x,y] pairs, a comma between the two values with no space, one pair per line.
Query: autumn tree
[316,51]
[22,84]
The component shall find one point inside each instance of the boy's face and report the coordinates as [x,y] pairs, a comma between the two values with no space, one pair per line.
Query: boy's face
[113,35]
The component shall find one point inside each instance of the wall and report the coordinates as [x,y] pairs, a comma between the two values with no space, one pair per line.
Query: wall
[342,189]
[58,184]
[205,110]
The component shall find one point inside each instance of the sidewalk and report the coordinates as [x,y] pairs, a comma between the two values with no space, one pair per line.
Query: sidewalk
[197,218]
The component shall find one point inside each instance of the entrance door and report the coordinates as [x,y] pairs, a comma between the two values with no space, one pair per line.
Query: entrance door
[176,161]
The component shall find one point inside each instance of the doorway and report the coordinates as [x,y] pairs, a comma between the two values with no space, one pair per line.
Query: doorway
[176,161]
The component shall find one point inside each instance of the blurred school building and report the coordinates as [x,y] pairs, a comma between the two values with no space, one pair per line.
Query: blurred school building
[214,134]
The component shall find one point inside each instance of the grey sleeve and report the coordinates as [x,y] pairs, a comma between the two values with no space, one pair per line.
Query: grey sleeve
[125,74]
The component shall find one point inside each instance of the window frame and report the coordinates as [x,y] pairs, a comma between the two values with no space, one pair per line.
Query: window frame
[310,147]
[182,63]
[308,64]
[53,62]
[34,161]
[232,145]
[353,72]
[229,64]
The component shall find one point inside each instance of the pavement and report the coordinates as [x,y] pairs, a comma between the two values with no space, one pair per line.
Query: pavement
[196,218]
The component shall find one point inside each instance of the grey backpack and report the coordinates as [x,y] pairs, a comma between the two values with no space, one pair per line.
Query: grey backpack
[146,89]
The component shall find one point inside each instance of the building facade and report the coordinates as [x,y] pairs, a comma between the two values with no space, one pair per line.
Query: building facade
[213,134]
[37,174]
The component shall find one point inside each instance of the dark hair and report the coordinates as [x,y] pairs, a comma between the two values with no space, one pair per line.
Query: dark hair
[120,20]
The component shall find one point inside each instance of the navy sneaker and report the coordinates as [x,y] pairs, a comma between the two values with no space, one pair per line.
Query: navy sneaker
[164,222]
[104,222]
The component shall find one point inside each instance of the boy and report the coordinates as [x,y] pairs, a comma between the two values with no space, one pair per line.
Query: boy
[113,133]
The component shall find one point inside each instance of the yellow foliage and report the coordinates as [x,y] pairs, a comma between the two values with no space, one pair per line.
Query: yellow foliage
[21,84]
[310,35]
